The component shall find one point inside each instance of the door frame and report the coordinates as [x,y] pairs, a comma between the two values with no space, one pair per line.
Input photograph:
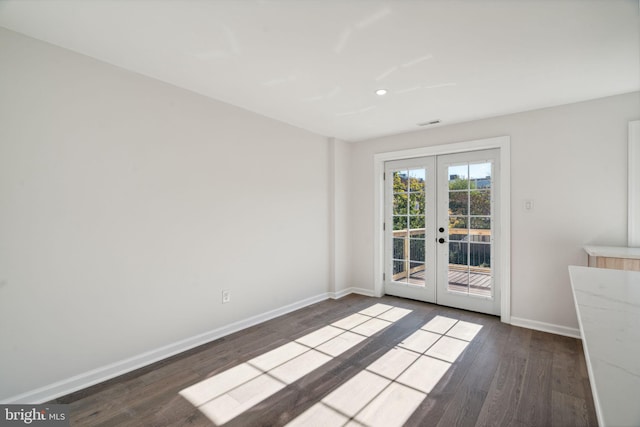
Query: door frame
[504,144]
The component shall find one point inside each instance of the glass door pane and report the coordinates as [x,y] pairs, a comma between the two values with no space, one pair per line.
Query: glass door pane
[469,218]
[409,226]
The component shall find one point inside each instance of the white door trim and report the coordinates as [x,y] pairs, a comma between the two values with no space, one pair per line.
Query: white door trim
[501,142]
[634,184]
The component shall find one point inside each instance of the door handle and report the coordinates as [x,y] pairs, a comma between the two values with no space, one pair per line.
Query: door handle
[441,240]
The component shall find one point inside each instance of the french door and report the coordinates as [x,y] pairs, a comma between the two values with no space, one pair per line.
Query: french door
[441,239]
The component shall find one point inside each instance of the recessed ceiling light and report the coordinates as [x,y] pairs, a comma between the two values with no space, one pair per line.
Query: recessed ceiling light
[381,92]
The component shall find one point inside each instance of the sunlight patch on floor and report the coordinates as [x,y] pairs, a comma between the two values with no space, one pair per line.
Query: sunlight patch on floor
[228,394]
[390,389]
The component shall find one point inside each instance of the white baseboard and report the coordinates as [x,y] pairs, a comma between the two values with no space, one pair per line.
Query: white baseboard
[352,290]
[340,294]
[104,373]
[363,291]
[546,327]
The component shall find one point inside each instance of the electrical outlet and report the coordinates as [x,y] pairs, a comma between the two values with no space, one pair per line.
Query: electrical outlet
[226,296]
[528,205]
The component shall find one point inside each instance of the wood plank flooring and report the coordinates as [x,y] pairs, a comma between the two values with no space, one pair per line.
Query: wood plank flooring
[506,376]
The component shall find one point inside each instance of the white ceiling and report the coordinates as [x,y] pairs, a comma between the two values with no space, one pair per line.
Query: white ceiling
[316,63]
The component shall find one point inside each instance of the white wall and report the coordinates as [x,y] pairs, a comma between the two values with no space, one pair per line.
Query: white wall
[570,160]
[127,205]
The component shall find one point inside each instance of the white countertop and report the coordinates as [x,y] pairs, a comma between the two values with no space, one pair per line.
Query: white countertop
[613,251]
[608,306]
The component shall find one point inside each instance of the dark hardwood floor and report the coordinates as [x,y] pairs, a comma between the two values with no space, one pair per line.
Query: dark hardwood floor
[506,376]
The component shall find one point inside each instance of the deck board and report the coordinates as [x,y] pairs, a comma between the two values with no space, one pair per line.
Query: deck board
[480,283]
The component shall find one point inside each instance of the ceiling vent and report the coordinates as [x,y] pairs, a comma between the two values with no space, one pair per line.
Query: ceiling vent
[432,122]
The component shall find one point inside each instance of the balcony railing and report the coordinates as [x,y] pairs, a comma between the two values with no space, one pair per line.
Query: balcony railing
[476,259]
